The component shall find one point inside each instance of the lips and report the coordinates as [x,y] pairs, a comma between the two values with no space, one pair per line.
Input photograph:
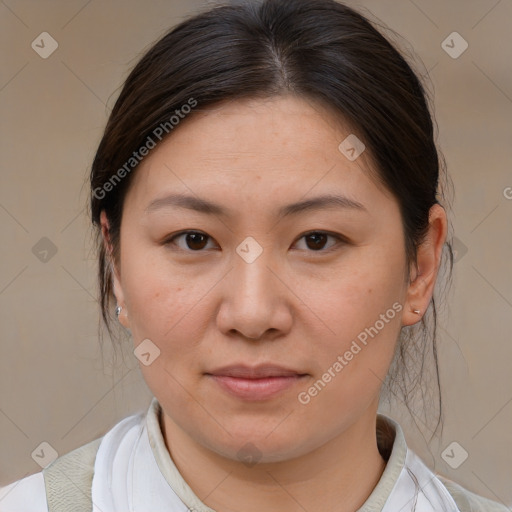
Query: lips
[255,372]
[255,383]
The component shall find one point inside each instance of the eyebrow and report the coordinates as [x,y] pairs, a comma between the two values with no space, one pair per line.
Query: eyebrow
[207,207]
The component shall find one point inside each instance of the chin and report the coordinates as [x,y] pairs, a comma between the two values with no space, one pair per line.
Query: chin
[258,442]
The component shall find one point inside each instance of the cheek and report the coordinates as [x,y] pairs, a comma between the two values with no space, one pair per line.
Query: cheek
[354,297]
[165,307]
[163,302]
[360,309]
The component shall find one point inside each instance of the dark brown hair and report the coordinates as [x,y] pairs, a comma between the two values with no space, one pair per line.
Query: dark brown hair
[319,50]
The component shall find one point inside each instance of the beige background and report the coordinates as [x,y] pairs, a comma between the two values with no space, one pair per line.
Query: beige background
[53,385]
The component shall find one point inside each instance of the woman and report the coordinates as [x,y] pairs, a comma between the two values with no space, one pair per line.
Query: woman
[267,198]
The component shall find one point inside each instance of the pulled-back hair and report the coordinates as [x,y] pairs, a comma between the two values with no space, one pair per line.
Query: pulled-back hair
[318,50]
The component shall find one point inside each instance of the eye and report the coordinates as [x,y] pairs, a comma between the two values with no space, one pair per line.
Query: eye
[194,240]
[315,240]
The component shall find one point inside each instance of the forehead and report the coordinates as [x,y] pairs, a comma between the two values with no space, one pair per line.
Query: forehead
[282,126]
[275,148]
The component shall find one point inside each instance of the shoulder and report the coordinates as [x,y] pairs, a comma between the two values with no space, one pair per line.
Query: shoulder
[34,493]
[468,501]
[25,495]
[443,494]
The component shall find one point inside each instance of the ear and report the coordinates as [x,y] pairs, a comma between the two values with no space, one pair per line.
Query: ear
[116,277]
[423,279]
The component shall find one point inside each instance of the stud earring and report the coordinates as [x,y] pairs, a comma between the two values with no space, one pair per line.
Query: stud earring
[118,310]
[417,311]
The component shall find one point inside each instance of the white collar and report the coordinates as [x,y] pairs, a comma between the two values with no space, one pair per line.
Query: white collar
[134,472]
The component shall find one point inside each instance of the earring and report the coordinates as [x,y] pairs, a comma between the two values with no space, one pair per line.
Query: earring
[118,310]
[417,311]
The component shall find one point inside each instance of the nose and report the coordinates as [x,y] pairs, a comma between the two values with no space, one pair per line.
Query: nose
[256,301]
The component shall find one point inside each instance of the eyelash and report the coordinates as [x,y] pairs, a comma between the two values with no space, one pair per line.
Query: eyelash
[341,240]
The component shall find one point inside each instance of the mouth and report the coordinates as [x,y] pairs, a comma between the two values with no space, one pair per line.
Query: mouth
[255,383]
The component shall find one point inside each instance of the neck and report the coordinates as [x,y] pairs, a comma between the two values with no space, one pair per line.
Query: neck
[339,475]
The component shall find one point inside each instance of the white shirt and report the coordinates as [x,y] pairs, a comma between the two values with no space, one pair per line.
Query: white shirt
[133,472]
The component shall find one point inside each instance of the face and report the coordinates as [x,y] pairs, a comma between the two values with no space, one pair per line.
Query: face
[275,326]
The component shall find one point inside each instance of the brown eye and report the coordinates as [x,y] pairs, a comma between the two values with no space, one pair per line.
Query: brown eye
[195,241]
[316,241]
